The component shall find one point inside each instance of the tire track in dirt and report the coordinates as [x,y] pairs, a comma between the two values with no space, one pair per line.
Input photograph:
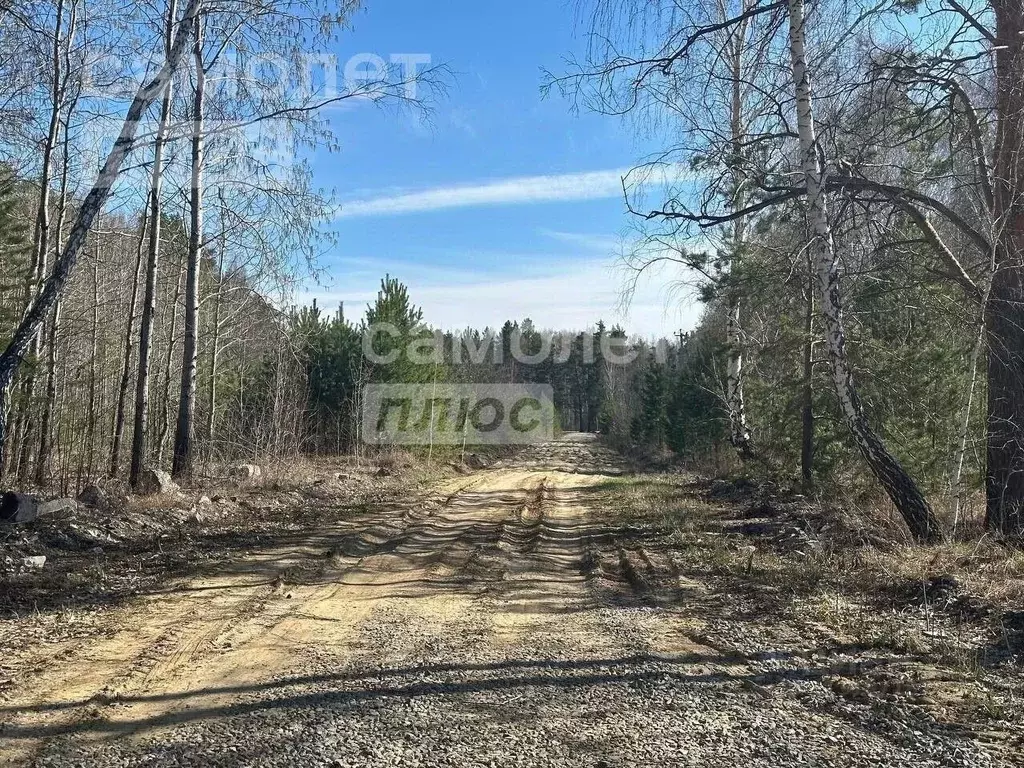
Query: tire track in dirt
[210,638]
[508,556]
[573,568]
[506,620]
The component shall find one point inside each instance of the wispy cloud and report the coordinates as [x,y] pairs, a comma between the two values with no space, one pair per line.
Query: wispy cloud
[596,243]
[521,190]
[573,295]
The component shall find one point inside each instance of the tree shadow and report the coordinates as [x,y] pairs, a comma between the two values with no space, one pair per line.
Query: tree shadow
[528,561]
[401,684]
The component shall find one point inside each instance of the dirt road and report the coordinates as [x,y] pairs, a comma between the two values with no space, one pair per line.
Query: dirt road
[502,620]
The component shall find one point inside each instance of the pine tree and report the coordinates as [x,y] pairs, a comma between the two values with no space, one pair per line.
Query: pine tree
[650,425]
[395,312]
[14,247]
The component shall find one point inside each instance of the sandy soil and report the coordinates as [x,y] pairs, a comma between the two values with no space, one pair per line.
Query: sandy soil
[492,621]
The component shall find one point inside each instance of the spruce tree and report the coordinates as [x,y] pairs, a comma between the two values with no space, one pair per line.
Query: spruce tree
[14,247]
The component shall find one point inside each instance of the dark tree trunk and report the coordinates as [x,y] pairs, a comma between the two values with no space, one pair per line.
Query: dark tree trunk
[807,409]
[1004,319]
[182,462]
[90,422]
[129,347]
[165,397]
[45,425]
[1005,476]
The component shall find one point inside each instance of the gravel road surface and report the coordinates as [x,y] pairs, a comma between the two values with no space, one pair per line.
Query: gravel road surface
[492,622]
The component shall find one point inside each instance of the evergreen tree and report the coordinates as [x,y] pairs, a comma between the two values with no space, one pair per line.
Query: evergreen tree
[14,248]
[332,353]
[393,322]
[651,424]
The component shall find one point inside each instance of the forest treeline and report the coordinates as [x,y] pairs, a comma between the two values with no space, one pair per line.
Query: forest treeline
[75,423]
[669,398]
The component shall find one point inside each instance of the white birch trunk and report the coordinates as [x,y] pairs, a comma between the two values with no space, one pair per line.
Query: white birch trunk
[211,416]
[182,461]
[24,431]
[897,483]
[90,208]
[739,432]
[981,338]
[141,425]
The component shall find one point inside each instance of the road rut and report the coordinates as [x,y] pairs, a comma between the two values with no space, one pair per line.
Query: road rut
[493,622]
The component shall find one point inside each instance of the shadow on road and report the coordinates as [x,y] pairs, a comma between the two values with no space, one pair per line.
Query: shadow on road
[353,688]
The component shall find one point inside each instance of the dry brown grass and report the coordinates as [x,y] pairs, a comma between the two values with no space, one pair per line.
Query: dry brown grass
[846,568]
[810,578]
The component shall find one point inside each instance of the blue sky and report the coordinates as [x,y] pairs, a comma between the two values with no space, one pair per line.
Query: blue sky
[503,204]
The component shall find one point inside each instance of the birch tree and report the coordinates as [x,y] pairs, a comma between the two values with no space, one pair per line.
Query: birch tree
[61,84]
[904,493]
[270,110]
[268,222]
[149,307]
[45,424]
[92,205]
[772,143]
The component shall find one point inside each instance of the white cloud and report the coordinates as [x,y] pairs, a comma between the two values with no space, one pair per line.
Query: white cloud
[598,244]
[590,185]
[562,295]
